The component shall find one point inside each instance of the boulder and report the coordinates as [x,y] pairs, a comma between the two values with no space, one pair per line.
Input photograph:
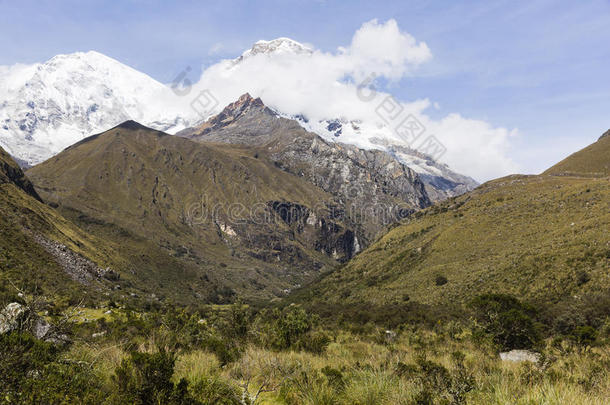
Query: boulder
[520,355]
[18,317]
[11,317]
[40,328]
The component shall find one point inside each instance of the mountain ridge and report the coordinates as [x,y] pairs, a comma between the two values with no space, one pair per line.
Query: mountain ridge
[10,172]
[542,238]
[180,196]
[589,161]
[51,105]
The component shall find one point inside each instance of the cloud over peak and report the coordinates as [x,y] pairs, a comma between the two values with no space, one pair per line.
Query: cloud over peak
[298,79]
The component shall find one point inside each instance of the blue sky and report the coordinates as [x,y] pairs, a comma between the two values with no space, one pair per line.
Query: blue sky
[538,66]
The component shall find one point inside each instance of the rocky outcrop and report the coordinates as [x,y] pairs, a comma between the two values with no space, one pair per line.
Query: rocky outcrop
[371,188]
[11,317]
[18,317]
[520,356]
[323,230]
[76,266]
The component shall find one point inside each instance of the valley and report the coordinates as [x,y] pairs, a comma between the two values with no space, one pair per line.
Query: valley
[273,227]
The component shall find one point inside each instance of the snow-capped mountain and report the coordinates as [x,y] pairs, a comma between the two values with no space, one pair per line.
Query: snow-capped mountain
[48,106]
[276,46]
[440,181]
[365,132]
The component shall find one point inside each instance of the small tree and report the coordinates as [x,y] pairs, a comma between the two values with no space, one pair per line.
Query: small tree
[290,325]
[238,322]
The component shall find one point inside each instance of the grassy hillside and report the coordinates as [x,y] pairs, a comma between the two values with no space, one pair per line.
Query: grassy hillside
[541,238]
[227,216]
[24,262]
[594,160]
[45,253]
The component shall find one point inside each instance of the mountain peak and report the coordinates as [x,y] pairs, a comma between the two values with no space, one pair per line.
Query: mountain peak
[76,60]
[277,46]
[606,134]
[245,103]
[245,106]
[133,125]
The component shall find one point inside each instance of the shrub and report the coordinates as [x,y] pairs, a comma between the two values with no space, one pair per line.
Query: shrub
[314,342]
[290,326]
[238,323]
[584,335]
[64,383]
[582,277]
[587,310]
[31,372]
[439,384]
[145,378]
[22,355]
[509,322]
[514,329]
[440,280]
[226,350]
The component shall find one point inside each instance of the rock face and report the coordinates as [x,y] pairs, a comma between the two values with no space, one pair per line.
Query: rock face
[372,188]
[439,180]
[520,356]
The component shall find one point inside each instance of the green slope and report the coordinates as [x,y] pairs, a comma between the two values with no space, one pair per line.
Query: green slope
[192,203]
[45,251]
[24,262]
[594,160]
[537,237]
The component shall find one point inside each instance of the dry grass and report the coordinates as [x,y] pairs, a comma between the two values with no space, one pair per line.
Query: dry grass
[369,374]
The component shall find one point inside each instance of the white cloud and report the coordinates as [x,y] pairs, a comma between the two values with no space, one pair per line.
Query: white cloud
[384,49]
[12,77]
[475,147]
[322,85]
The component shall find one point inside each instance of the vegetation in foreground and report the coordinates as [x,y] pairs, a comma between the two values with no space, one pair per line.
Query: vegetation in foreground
[231,355]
